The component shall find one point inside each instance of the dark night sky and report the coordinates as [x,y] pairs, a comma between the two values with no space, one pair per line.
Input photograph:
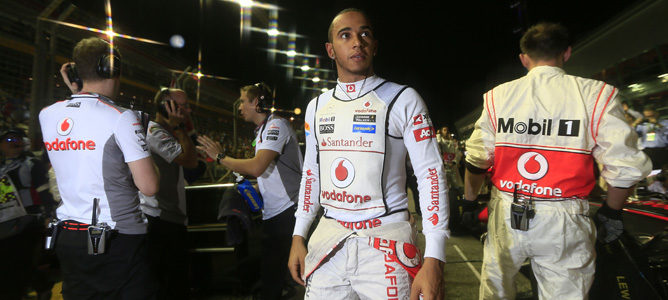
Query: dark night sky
[449,51]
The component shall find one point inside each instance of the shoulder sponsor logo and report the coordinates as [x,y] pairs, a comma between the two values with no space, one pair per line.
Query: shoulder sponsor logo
[272,138]
[420,119]
[65,125]
[327,119]
[340,142]
[350,88]
[342,172]
[74,104]
[423,133]
[274,126]
[539,127]
[364,118]
[326,128]
[307,128]
[273,132]
[364,128]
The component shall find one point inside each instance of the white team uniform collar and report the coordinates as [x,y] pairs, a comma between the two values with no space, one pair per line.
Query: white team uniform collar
[353,90]
[546,70]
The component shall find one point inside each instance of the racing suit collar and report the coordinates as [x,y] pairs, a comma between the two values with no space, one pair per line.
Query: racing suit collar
[356,89]
[546,69]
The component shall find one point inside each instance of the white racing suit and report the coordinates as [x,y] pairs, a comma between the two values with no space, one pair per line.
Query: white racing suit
[356,145]
[542,133]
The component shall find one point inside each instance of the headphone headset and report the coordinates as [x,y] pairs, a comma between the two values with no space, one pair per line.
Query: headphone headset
[104,65]
[263,97]
[160,100]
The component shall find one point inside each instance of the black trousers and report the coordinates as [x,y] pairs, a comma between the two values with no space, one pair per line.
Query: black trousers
[659,157]
[276,243]
[168,248]
[18,268]
[120,273]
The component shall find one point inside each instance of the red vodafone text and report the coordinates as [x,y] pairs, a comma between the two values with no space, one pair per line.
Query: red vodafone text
[366,224]
[69,144]
[343,196]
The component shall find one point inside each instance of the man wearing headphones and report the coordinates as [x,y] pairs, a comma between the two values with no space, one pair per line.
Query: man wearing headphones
[357,138]
[277,165]
[101,161]
[172,150]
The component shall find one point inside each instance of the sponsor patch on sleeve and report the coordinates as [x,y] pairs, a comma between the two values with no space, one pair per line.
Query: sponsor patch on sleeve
[273,132]
[424,133]
[272,138]
[421,118]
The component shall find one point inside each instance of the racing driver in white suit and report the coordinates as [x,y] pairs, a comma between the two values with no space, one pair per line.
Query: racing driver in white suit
[540,135]
[357,139]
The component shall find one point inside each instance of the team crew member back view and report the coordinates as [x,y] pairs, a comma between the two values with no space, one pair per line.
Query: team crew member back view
[357,138]
[101,161]
[541,135]
[277,164]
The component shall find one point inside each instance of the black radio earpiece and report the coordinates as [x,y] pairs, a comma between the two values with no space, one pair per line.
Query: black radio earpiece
[264,97]
[109,65]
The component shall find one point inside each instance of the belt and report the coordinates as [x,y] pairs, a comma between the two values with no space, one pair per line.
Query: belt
[397,216]
[73,225]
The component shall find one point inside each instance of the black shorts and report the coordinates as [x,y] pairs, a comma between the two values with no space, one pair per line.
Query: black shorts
[121,273]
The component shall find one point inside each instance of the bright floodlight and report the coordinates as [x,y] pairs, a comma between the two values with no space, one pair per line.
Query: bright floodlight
[664,77]
[246,3]
[316,79]
[272,32]
[199,75]
[110,33]
[298,111]
[291,53]
[177,41]
[324,90]
[305,68]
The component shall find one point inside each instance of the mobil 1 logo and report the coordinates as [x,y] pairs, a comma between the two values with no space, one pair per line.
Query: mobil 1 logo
[539,127]
[569,128]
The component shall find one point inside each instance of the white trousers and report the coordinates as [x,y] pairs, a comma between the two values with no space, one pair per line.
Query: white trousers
[559,243]
[358,271]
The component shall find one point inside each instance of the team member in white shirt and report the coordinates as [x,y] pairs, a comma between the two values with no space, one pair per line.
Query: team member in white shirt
[98,151]
[277,165]
[357,138]
[541,135]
